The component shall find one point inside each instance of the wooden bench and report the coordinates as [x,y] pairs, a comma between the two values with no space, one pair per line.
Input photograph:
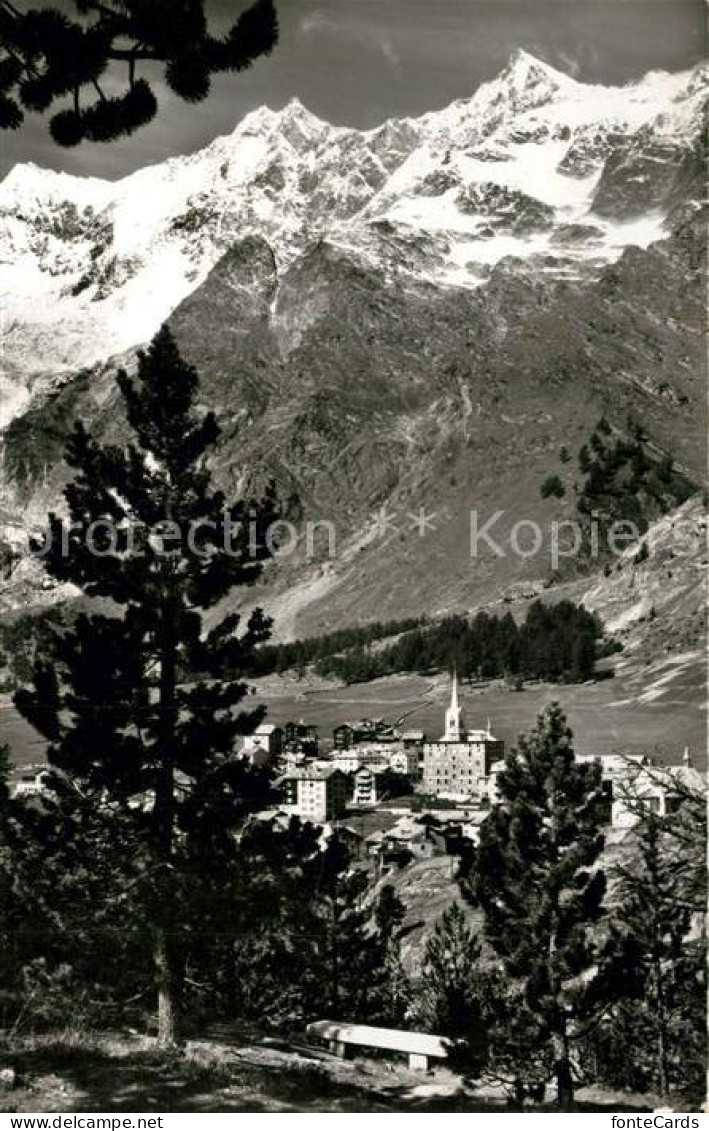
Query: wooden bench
[420,1047]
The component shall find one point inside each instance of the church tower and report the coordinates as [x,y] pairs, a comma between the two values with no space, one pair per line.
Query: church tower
[455,731]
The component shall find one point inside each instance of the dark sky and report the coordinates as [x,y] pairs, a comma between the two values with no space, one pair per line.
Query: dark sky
[358,62]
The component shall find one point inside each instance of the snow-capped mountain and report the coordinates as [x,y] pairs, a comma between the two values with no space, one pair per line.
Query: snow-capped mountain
[560,175]
[418,317]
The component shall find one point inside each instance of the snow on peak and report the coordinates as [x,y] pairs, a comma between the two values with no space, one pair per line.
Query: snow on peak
[89,268]
[524,71]
[27,183]
[294,121]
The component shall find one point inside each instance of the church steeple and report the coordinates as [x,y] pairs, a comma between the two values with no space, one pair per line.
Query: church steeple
[454,716]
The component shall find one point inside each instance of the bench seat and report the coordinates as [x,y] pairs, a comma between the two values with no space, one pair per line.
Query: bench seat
[420,1047]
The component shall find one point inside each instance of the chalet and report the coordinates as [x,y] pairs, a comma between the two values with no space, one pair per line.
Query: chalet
[343,736]
[406,760]
[412,742]
[300,732]
[407,839]
[301,739]
[347,735]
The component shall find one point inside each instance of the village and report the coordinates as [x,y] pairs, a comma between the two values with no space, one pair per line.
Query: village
[398,796]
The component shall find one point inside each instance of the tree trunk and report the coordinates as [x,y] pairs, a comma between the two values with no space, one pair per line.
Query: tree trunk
[560,1036]
[335,964]
[164,955]
[165,983]
[562,1070]
[663,1075]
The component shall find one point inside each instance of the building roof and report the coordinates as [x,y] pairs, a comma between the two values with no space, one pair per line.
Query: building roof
[615,763]
[311,773]
[655,779]
[686,776]
[407,829]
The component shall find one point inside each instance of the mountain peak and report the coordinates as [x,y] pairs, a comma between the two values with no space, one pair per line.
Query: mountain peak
[295,107]
[294,120]
[520,58]
[524,70]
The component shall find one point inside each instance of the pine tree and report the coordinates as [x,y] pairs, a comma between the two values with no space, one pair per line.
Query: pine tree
[662,968]
[135,702]
[538,882]
[355,941]
[449,972]
[73,911]
[345,951]
[392,989]
[45,55]
[258,947]
[466,997]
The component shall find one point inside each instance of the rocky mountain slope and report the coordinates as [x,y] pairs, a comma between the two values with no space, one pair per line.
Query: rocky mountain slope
[401,325]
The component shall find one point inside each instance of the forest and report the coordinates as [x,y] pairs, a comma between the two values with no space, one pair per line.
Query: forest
[621,477]
[554,642]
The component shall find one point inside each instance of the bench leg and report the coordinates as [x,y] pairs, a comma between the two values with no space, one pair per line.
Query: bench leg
[339,1048]
[418,1061]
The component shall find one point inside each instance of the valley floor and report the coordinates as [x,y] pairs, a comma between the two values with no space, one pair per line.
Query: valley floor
[657,707]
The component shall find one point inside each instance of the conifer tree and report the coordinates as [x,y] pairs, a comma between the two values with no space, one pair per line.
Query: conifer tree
[467,997]
[247,957]
[138,699]
[46,55]
[538,881]
[355,942]
[5,859]
[73,911]
[391,984]
[657,965]
[342,946]
[449,976]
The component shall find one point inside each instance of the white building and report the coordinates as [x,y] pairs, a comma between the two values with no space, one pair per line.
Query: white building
[659,789]
[405,760]
[316,793]
[264,745]
[364,794]
[459,764]
[378,756]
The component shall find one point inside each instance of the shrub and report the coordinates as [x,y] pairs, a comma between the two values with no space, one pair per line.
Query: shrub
[552,487]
